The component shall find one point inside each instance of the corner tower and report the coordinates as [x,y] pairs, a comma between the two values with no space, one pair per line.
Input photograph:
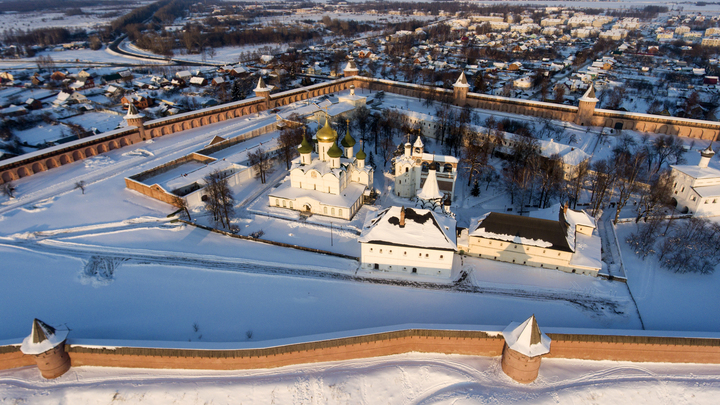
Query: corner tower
[586,108]
[460,89]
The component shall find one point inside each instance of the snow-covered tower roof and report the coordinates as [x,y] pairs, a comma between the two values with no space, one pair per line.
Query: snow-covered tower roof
[589,95]
[430,190]
[133,113]
[350,67]
[42,338]
[527,338]
[461,81]
[261,86]
[418,142]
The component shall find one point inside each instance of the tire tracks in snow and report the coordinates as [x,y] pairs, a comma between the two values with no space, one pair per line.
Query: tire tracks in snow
[593,304]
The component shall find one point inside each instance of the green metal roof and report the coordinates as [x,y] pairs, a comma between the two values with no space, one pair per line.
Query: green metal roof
[334,151]
[305,146]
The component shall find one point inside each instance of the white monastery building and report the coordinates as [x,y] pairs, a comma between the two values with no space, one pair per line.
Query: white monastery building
[413,167]
[327,180]
[556,238]
[696,188]
[409,240]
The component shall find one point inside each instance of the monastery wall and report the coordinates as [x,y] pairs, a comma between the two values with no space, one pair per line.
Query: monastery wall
[477,343]
[45,159]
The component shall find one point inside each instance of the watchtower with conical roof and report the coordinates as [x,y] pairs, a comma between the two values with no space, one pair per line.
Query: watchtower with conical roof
[134,118]
[460,89]
[586,107]
[47,345]
[524,346]
[350,69]
[263,90]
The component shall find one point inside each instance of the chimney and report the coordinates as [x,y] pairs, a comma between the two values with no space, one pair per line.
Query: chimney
[402,217]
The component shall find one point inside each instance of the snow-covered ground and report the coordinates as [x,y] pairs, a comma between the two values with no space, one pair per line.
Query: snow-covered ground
[412,378]
[667,300]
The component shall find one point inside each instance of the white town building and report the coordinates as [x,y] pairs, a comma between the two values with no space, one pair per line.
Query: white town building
[327,180]
[696,188]
[409,240]
[413,168]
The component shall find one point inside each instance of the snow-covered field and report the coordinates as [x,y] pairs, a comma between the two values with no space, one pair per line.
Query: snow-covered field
[402,379]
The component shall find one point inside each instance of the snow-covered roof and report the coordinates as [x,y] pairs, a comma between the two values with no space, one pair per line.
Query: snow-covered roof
[698,172]
[589,95]
[521,230]
[350,67]
[430,190]
[573,219]
[527,338]
[133,112]
[423,229]
[461,81]
[261,86]
[708,191]
[439,158]
[42,338]
[418,142]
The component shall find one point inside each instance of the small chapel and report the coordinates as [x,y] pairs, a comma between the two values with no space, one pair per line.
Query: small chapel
[426,176]
[326,179]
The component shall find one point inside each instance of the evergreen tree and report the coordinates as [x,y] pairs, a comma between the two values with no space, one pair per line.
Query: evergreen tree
[237,93]
[475,189]
[371,161]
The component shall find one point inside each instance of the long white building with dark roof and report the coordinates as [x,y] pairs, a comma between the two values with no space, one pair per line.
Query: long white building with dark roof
[555,238]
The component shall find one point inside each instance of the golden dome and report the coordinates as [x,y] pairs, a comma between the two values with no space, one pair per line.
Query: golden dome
[326,133]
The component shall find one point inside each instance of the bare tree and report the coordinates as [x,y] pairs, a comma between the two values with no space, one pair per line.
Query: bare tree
[80,185]
[551,176]
[220,201]
[262,161]
[602,180]
[691,247]
[578,176]
[475,157]
[628,164]
[657,198]
[288,142]
[181,205]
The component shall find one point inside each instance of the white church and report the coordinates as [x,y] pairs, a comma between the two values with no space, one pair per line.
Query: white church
[415,168]
[326,180]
